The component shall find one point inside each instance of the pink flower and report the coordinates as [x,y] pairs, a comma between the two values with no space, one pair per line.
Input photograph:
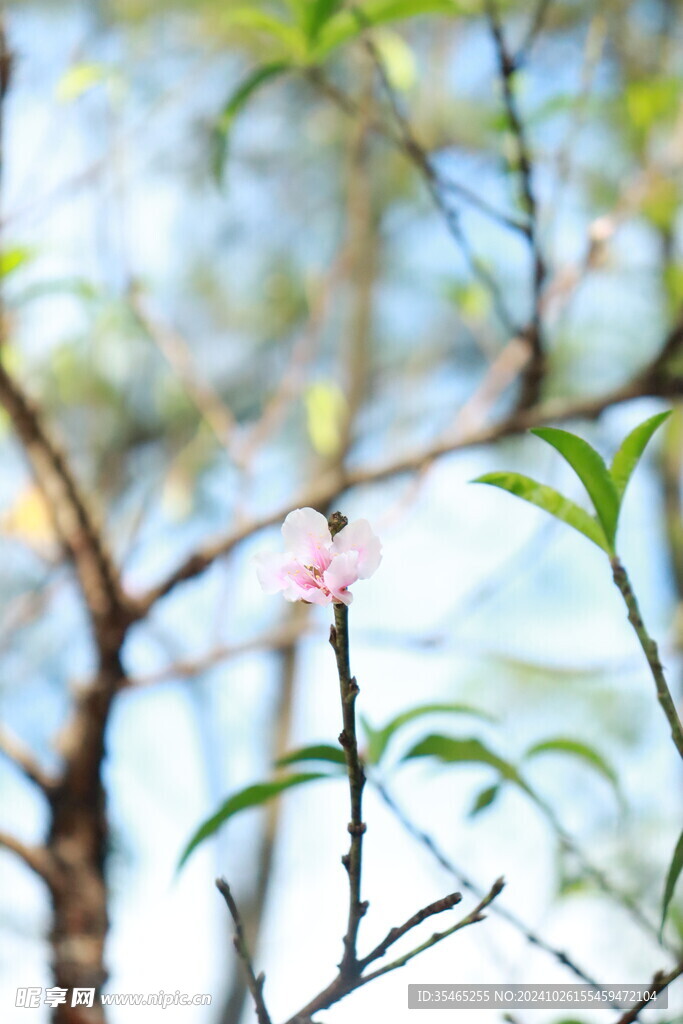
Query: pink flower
[316,567]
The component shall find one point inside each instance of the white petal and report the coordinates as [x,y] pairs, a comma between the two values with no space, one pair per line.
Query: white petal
[307,535]
[271,571]
[358,536]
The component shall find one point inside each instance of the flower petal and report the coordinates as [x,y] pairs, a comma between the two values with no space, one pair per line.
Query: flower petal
[358,536]
[342,572]
[307,535]
[273,571]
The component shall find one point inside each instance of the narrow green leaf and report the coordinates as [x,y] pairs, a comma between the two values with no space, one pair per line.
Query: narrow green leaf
[318,752]
[252,796]
[379,739]
[671,879]
[591,470]
[550,501]
[631,449]
[582,751]
[236,101]
[319,13]
[483,800]
[347,24]
[452,749]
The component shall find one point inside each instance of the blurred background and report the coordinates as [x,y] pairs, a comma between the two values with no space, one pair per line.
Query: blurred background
[257,256]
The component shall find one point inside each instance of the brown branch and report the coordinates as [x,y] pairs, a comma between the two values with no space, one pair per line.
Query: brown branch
[73,520]
[653,381]
[507,65]
[25,761]
[344,985]
[254,982]
[35,857]
[660,981]
[532,937]
[446,903]
[353,860]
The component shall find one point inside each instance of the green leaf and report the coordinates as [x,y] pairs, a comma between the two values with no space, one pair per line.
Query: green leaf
[252,796]
[452,749]
[631,449]
[575,748]
[347,24]
[236,101]
[484,799]
[671,879]
[378,739]
[318,752]
[319,13]
[550,501]
[593,473]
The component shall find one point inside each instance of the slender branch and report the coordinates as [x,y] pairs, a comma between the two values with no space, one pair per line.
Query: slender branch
[254,982]
[447,864]
[650,651]
[652,381]
[396,933]
[474,917]
[353,860]
[507,65]
[73,519]
[343,986]
[24,760]
[35,857]
[660,981]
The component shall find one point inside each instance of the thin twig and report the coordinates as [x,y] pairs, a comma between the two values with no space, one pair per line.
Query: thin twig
[255,982]
[24,760]
[343,986]
[447,864]
[446,903]
[651,652]
[353,860]
[653,380]
[474,917]
[35,857]
[660,981]
[507,66]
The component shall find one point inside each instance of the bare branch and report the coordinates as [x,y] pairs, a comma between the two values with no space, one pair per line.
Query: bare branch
[533,332]
[35,857]
[474,917]
[345,984]
[73,519]
[254,982]
[653,381]
[660,981]
[446,903]
[24,760]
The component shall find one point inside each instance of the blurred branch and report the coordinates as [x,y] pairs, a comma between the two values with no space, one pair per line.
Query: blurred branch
[73,519]
[35,857]
[341,987]
[533,333]
[653,381]
[177,352]
[24,760]
[660,981]
[445,862]
[255,983]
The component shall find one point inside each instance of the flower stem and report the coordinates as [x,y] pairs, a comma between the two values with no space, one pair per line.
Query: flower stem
[651,652]
[352,861]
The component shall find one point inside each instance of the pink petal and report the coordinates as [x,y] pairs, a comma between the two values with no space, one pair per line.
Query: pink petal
[272,571]
[307,535]
[342,572]
[358,536]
